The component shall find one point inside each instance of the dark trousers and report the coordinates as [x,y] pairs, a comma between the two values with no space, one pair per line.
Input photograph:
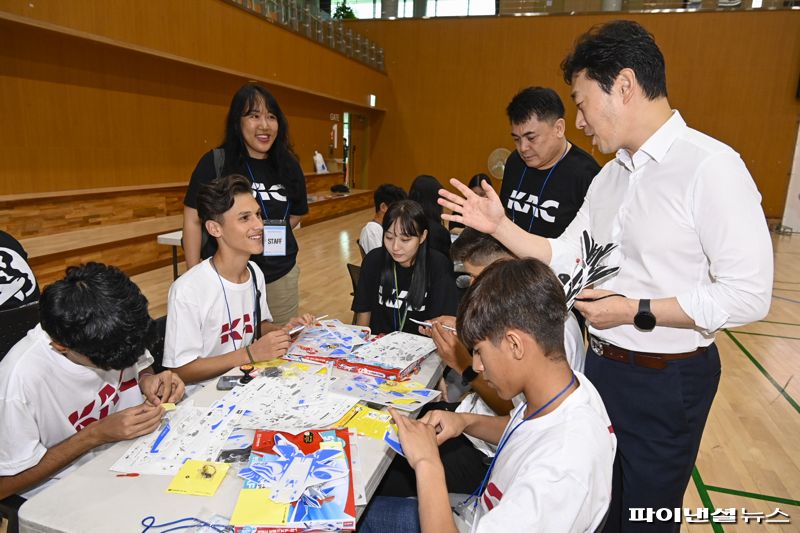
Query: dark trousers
[464,466]
[658,418]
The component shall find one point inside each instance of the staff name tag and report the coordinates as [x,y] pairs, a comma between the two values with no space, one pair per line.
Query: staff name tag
[274,238]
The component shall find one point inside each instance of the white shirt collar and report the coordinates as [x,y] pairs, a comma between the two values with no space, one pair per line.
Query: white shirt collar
[657,146]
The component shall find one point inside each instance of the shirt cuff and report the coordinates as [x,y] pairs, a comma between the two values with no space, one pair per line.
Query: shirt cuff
[707,315]
[562,257]
[144,361]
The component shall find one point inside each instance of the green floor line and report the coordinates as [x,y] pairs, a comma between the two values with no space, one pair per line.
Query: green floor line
[780,323]
[705,497]
[764,334]
[788,282]
[764,371]
[753,495]
[785,290]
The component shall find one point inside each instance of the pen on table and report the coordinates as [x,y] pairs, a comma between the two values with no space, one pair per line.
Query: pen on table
[129,474]
[430,325]
[598,298]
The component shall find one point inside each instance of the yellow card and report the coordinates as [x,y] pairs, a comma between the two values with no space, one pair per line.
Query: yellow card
[254,508]
[199,478]
[404,401]
[367,421]
[168,406]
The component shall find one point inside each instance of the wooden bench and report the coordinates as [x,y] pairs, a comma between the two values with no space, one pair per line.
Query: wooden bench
[131,246]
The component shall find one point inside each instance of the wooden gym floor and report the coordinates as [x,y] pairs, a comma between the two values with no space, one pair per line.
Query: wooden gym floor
[750,454]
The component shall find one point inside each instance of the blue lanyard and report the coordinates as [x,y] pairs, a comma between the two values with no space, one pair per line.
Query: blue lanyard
[506,438]
[541,189]
[264,211]
[228,308]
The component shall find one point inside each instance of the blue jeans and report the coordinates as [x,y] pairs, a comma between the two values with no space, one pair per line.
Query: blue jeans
[390,514]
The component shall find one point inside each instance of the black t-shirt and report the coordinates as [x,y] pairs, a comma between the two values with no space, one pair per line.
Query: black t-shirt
[18,285]
[279,197]
[562,196]
[441,298]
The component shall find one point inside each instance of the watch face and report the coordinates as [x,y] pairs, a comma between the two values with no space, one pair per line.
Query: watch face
[644,321]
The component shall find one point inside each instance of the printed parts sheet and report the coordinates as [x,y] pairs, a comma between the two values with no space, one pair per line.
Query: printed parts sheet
[396,351]
[404,395]
[329,339]
[293,402]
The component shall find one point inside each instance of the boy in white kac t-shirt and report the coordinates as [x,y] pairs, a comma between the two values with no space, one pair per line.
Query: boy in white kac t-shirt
[76,380]
[552,469]
[372,233]
[464,458]
[216,309]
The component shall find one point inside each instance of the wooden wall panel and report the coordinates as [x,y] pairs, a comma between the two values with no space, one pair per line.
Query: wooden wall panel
[78,113]
[732,74]
[212,33]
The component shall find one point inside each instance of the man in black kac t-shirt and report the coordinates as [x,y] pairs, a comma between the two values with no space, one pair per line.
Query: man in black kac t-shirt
[546,177]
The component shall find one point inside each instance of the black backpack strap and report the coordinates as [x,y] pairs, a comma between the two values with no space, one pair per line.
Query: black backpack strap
[258,301]
[219,160]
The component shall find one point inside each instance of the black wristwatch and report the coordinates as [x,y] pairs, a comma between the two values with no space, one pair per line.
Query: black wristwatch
[468,376]
[644,319]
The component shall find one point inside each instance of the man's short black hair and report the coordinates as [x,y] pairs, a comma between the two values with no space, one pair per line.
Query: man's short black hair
[97,311]
[216,197]
[605,50]
[540,102]
[477,248]
[521,294]
[388,194]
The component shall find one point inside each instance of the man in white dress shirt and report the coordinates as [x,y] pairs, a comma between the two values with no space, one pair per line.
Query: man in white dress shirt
[694,254]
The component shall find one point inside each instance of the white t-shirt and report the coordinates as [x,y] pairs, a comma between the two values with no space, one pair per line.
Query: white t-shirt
[205,320]
[371,236]
[554,473]
[45,398]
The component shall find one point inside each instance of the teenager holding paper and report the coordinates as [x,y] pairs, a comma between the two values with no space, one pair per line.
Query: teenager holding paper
[404,279]
[555,451]
[215,309]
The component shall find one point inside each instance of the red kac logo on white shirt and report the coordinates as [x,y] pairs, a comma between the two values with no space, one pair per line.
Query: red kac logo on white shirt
[98,409]
[230,331]
[492,496]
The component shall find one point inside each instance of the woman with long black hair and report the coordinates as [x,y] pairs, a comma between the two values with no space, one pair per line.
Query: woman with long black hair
[425,191]
[404,279]
[256,145]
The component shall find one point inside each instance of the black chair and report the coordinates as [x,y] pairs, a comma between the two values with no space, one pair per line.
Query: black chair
[157,333]
[355,272]
[361,249]
[15,323]
[8,510]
